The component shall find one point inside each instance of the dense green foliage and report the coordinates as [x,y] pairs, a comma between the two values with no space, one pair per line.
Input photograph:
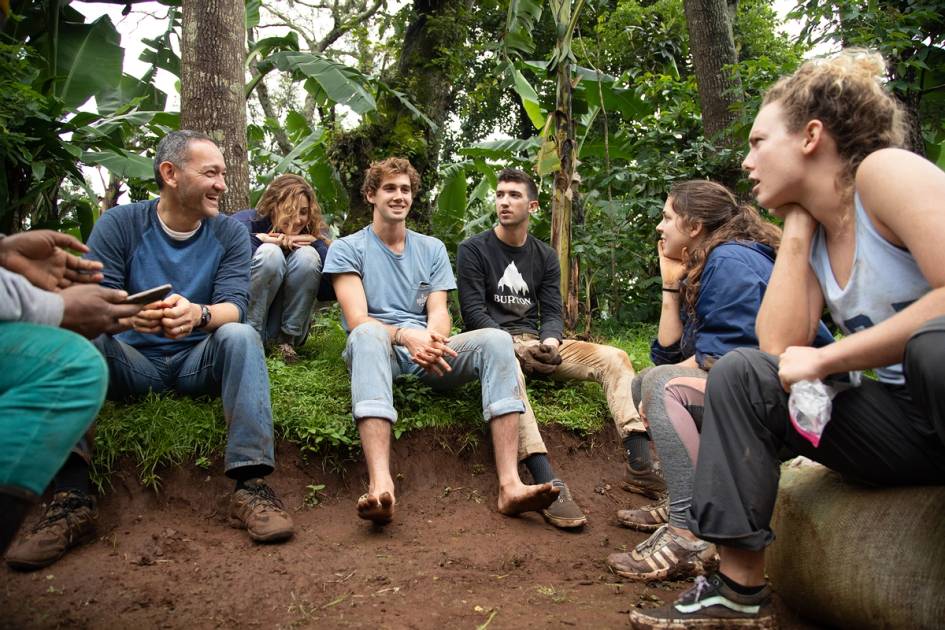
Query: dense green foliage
[311,403]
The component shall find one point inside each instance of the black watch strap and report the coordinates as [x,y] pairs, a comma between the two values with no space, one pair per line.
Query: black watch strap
[204,316]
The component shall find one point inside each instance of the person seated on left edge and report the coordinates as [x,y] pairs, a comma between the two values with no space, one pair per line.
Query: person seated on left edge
[392,284]
[289,247]
[191,342]
[52,381]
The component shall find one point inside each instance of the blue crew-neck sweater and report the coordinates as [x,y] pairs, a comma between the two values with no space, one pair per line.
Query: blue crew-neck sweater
[210,267]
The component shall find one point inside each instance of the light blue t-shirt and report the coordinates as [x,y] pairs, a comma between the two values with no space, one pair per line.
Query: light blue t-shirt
[396,286]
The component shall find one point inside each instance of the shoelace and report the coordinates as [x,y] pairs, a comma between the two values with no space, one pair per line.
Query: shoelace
[261,494]
[564,493]
[61,509]
[653,541]
[699,588]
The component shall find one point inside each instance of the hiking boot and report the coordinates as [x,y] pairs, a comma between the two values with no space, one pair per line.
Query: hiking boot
[69,521]
[256,508]
[710,603]
[287,352]
[664,556]
[648,482]
[648,518]
[564,513]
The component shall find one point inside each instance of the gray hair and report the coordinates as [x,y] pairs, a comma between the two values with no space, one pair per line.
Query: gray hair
[173,147]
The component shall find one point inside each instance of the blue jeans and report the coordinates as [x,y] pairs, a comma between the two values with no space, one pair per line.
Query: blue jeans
[484,354]
[229,363]
[52,385]
[282,290]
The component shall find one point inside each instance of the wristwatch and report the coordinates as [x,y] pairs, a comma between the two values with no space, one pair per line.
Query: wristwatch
[204,316]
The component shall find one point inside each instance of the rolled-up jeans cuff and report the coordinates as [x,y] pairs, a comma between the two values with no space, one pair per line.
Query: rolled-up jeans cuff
[374,409]
[265,461]
[502,407]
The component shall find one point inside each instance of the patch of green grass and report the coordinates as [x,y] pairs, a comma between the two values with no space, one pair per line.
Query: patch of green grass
[311,404]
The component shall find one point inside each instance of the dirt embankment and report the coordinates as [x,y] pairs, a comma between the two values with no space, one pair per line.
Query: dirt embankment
[450,559]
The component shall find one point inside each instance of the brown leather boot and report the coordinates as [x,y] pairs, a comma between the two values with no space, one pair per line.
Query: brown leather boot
[69,521]
[257,509]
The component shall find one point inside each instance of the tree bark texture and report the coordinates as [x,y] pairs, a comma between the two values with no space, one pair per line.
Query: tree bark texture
[712,46]
[213,51]
[434,50]
[562,201]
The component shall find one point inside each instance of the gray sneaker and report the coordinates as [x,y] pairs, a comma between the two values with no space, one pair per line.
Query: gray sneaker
[710,603]
[69,521]
[564,513]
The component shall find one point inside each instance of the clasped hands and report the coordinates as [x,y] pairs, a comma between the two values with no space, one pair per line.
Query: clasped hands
[540,358]
[288,242]
[428,349]
[174,316]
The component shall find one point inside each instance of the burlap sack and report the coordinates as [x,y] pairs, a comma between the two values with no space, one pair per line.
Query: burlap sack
[858,557]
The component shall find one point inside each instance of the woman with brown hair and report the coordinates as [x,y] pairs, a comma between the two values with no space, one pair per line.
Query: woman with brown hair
[861,223]
[716,257]
[289,248]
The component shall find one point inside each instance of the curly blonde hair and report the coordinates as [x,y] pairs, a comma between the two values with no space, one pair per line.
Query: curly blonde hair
[846,94]
[280,202]
[723,219]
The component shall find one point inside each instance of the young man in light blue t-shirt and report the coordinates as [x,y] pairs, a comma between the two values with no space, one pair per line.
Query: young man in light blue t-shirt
[392,286]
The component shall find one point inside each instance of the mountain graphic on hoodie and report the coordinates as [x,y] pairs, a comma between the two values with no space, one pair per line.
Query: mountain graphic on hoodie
[513,281]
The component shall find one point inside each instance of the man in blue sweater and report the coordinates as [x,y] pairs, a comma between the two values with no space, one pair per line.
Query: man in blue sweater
[191,342]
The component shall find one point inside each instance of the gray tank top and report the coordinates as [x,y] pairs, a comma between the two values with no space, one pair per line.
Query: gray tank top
[885,279]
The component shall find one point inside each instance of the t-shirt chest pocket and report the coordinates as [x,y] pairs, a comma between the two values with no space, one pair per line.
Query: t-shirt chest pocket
[421,294]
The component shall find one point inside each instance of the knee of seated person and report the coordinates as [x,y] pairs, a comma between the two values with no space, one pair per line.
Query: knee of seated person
[734,364]
[237,333]
[616,360]
[494,341]
[309,257]
[269,255]
[925,350]
[369,332]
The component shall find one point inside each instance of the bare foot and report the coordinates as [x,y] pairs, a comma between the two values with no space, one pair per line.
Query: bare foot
[522,498]
[379,510]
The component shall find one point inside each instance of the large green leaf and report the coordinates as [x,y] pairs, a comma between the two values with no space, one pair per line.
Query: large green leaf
[89,58]
[131,91]
[452,198]
[508,149]
[122,164]
[342,84]
[519,24]
[529,97]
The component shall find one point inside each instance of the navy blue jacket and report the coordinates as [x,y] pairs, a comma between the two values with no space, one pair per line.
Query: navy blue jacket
[733,283]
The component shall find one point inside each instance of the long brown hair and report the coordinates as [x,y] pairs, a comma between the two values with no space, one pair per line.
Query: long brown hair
[723,219]
[280,202]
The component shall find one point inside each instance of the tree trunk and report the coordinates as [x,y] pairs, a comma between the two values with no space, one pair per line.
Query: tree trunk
[712,46]
[563,196]
[213,50]
[433,51]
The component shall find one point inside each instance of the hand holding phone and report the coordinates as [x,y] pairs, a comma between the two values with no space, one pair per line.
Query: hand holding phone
[149,295]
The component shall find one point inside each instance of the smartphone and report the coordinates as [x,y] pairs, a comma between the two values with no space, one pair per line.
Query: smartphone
[148,296]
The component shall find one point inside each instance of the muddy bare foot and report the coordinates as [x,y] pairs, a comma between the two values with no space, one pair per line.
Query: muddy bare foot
[379,510]
[524,498]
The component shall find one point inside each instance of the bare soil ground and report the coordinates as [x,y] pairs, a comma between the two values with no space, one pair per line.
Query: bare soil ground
[170,560]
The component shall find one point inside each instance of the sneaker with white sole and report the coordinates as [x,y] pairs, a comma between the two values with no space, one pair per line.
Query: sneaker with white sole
[710,603]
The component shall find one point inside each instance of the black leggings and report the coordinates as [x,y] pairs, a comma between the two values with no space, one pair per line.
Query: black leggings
[878,433]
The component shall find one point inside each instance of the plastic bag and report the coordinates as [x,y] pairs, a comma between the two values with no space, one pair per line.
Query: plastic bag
[811,403]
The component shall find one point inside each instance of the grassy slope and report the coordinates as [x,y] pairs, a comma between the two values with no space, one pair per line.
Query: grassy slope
[312,407]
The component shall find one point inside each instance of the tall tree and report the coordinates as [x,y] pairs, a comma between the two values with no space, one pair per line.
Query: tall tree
[434,51]
[213,50]
[712,47]
[564,196]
